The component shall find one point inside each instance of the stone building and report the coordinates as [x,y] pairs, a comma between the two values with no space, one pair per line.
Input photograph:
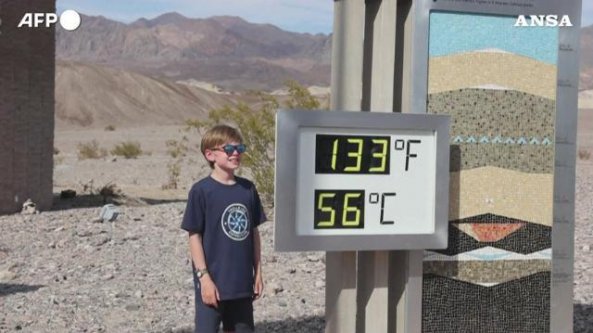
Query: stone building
[27,67]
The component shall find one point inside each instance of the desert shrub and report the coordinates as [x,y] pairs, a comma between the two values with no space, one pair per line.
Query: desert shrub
[90,150]
[128,149]
[110,128]
[257,125]
[177,149]
[110,190]
[584,154]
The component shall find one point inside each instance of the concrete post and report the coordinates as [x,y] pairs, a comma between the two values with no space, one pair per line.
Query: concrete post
[372,291]
[27,68]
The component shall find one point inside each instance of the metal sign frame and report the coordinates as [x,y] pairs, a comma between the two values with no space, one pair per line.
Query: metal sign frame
[288,124]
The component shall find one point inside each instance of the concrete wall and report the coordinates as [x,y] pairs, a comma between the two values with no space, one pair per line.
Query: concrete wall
[27,68]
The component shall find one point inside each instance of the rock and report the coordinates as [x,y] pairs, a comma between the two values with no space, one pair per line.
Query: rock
[586,248]
[312,259]
[29,207]
[6,275]
[133,307]
[100,241]
[276,288]
[84,233]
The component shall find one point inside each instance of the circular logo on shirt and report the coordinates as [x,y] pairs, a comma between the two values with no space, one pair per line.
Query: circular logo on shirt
[235,222]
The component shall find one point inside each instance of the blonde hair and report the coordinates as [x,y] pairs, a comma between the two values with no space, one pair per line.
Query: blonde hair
[218,135]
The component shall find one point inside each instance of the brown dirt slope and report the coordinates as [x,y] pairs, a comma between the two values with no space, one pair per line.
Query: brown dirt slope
[95,96]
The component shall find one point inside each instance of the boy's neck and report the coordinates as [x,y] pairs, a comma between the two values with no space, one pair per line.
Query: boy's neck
[224,177]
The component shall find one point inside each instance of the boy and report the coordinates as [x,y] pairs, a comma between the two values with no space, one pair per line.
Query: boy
[222,215]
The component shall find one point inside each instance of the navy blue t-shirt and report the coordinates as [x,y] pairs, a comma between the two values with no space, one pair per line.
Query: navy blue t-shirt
[225,216]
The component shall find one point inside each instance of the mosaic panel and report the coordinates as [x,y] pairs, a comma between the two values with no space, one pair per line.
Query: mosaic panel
[450,305]
[486,272]
[501,192]
[502,128]
[498,85]
[528,239]
[492,70]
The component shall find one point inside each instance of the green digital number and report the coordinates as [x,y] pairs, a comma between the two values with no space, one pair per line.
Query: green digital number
[357,154]
[380,155]
[326,209]
[350,209]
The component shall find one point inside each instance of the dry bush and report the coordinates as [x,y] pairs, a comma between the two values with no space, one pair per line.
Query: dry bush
[128,149]
[110,190]
[90,150]
[110,128]
[584,154]
[257,125]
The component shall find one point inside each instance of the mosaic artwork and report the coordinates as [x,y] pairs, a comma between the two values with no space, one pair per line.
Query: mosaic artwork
[498,84]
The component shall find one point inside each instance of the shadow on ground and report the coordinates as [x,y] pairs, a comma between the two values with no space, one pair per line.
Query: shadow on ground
[313,324]
[97,200]
[583,318]
[8,288]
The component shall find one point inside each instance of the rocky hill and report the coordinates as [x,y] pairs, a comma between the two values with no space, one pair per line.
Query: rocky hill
[98,96]
[227,51]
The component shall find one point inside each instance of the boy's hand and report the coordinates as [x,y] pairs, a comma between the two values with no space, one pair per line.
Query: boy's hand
[210,295]
[258,287]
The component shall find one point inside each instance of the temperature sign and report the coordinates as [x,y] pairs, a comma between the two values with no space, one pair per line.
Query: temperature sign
[361,181]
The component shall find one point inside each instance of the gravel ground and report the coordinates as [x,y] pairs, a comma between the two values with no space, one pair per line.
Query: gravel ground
[62,271]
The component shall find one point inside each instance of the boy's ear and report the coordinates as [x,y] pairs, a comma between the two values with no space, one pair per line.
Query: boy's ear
[209,154]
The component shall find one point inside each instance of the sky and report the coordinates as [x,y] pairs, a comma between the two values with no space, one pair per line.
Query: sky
[313,16]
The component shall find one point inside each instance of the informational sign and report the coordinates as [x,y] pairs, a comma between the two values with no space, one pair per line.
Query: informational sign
[361,181]
[509,264]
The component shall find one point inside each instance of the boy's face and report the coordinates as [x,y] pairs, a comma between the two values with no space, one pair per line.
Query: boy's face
[226,156]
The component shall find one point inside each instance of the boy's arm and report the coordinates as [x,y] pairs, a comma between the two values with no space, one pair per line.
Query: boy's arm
[209,291]
[259,283]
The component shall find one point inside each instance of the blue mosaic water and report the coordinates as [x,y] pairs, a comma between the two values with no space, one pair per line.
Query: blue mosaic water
[452,33]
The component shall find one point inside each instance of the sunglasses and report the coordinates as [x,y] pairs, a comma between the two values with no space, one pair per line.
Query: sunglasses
[229,149]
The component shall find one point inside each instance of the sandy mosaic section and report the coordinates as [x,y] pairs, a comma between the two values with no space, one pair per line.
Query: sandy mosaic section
[476,69]
[502,192]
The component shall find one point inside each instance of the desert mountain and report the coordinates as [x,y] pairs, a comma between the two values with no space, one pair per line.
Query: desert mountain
[98,96]
[227,51]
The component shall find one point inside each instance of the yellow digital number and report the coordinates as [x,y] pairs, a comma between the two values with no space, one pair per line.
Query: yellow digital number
[326,209]
[334,154]
[357,154]
[349,209]
[380,155]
